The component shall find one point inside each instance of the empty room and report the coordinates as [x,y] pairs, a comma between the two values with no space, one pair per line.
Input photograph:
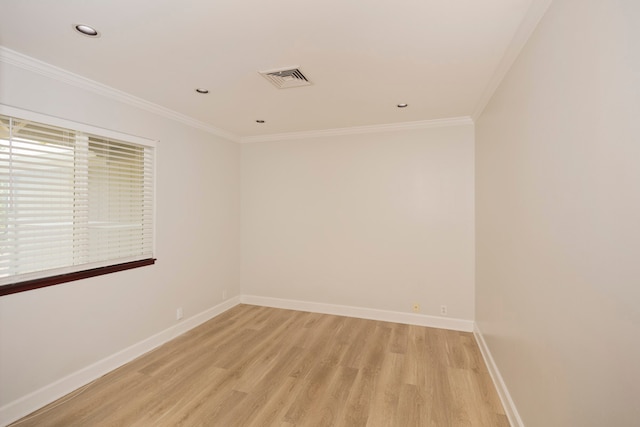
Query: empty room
[336,213]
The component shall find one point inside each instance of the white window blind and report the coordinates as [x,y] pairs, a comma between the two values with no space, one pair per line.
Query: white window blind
[71,201]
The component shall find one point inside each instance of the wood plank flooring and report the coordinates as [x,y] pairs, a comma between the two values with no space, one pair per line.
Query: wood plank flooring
[259,366]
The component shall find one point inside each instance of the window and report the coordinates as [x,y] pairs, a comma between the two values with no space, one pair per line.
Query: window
[73,203]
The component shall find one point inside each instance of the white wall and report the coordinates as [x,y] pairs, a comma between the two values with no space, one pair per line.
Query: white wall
[49,333]
[378,220]
[558,219]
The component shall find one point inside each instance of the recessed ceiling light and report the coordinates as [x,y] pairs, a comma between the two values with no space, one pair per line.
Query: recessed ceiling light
[403,105]
[259,121]
[86,30]
[202,91]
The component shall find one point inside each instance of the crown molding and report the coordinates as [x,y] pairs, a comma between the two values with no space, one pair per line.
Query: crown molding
[28,63]
[356,130]
[531,20]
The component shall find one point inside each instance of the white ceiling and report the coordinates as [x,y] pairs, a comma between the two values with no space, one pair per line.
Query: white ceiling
[363,57]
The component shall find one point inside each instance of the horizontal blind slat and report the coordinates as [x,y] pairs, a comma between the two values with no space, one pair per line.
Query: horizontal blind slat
[70,199]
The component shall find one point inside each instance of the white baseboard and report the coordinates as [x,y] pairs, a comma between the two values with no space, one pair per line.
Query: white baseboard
[47,394]
[501,387]
[363,313]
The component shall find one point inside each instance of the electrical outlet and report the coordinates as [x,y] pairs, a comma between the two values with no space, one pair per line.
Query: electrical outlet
[179,313]
[416,308]
[443,310]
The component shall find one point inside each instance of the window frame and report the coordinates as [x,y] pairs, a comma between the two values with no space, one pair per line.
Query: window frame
[55,279]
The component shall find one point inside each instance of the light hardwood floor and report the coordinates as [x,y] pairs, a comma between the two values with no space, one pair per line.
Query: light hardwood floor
[259,366]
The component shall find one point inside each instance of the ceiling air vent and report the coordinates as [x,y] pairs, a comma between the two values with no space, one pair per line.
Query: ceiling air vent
[286,77]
